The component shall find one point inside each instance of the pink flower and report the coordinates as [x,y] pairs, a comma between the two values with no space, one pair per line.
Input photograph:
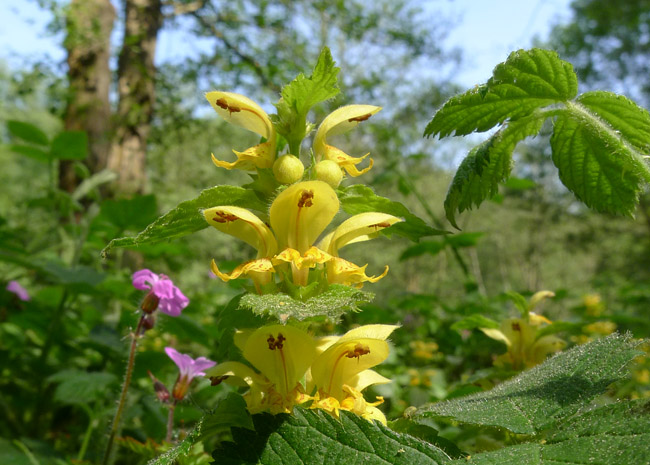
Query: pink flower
[189,369]
[19,290]
[163,294]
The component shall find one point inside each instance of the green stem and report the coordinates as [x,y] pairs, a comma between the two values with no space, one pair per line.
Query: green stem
[33,460]
[170,421]
[92,424]
[127,380]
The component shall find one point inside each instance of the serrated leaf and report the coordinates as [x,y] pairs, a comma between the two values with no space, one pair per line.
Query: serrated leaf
[595,164]
[314,437]
[187,218]
[27,132]
[549,392]
[487,165]
[334,302]
[359,199]
[79,387]
[617,434]
[303,93]
[621,113]
[70,145]
[527,80]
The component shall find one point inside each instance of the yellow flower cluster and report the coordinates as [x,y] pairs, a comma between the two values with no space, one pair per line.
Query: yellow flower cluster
[294,368]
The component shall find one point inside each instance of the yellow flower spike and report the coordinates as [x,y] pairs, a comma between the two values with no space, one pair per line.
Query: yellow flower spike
[349,356]
[302,212]
[244,225]
[340,271]
[283,354]
[243,112]
[359,228]
[355,403]
[238,374]
[339,121]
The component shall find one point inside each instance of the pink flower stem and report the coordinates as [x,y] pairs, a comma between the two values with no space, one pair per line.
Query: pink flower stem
[170,421]
[125,387]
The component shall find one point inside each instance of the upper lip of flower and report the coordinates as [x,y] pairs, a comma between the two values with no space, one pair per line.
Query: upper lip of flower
[189,367]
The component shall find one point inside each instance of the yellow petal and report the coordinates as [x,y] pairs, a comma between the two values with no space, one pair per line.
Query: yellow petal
[312,257]
[253,267]
[538,297]
[536,320]
[339,364]
[244,225]
[496,334]
[282,354]
[258,156]
[239,371]
[376,331]
[367,378]
[241,336]
[346,162]
[301,212]
[340,271]
[358,228]
[241,111]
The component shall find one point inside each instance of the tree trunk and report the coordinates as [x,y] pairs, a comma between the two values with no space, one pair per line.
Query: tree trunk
[136,79]
[89,26]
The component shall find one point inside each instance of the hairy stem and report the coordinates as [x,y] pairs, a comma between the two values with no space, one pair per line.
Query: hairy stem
[125,387]
[170,421]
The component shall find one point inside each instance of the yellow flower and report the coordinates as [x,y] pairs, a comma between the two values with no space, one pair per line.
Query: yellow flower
[525,348]
[339,121]
[298,216]
[242,111]
[282,354]
[601,327]
[342,370]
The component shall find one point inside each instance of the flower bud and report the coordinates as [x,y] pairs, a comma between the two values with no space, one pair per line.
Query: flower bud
[160,389]
[329,171]
[148,322]
[288,169]
[150,302]
[181,387]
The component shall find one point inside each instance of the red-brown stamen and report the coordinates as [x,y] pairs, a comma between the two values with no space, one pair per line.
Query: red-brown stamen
[361,118]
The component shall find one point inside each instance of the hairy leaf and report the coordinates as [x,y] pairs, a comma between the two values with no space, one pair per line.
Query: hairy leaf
[487,165]
[187,218]
[359,199]
[334,302]
[310,436]
[617,434]
[596,163]
[527,80]
[546,393]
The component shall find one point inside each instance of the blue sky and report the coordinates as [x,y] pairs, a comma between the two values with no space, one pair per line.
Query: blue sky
[486,31]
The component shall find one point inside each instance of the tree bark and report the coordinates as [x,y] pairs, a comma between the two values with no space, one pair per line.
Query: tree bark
[136,89]
[88,29]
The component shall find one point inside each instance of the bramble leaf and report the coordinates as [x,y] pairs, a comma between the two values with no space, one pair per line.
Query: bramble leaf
[527,80]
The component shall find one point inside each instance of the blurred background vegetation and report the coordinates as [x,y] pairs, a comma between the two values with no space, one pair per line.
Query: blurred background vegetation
[98,147]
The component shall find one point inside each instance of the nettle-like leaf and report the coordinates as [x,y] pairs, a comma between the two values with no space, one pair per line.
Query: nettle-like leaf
[600,140]
[310,436]
[527,80]
[546,394]
[617,434]
[187,218]
[303,93]
[360,199]
[333,303]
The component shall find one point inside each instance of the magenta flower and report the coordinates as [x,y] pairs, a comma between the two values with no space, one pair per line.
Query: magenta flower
[189,369]
[20,291]
[163,294]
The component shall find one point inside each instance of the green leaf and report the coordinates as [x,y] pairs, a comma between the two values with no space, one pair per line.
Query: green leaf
[230,412]
[467,239]
[314,437]
[520,184]
[80,387]
[595,162]
[549,392]
[135,213]
[31,152]
[187,218]
[474,321]
[359,199]
[334,302]
[303,93]
[487,165]
[520,302]
[617,434]
[527,80]
[425,247]
[70,145]
[27,132]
